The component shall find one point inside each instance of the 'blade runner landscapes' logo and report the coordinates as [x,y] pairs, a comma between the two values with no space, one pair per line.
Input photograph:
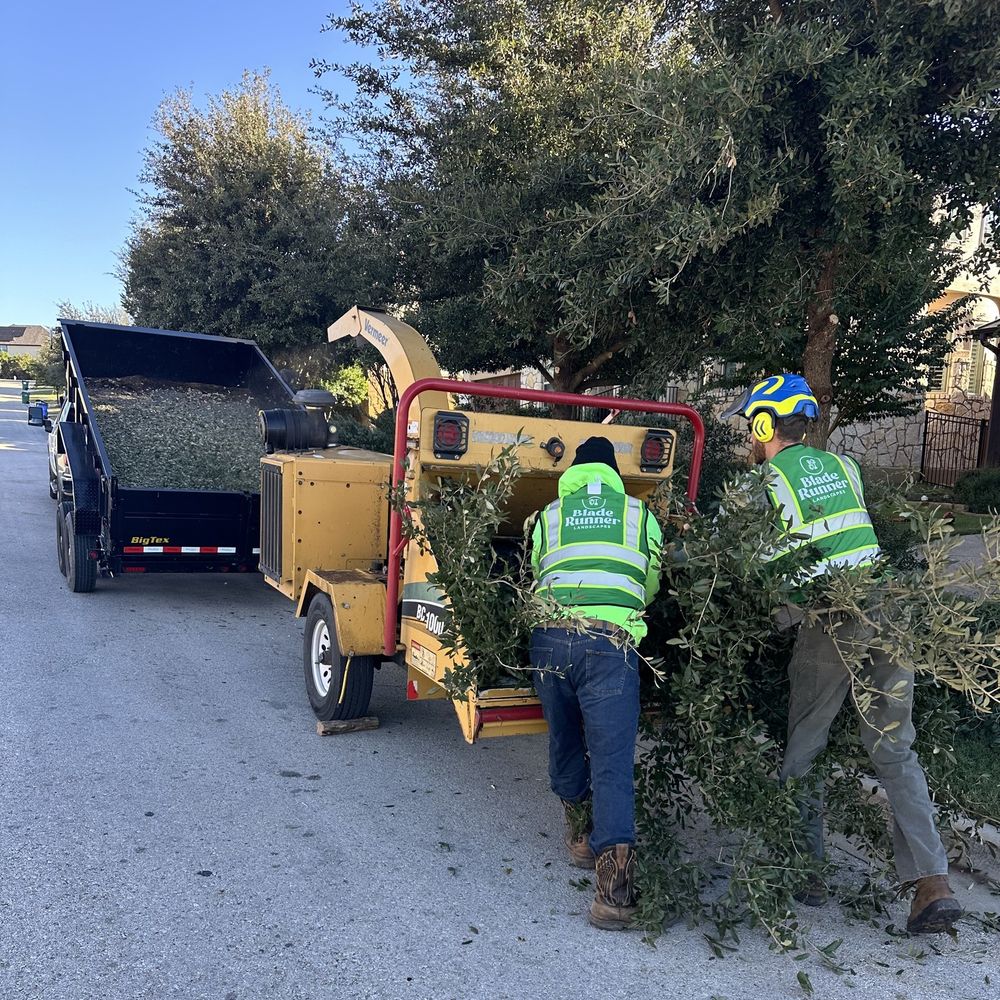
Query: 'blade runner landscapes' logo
[817,483]
[592,513]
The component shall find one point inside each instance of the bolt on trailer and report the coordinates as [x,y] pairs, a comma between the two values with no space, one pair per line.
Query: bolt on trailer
[332,544]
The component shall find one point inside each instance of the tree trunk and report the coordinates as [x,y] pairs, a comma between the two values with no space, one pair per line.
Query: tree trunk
[821,344]
[562,376]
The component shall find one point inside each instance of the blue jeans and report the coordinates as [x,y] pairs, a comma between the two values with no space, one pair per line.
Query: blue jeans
[589,690]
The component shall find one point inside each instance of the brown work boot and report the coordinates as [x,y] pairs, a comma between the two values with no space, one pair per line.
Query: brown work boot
[579,826]
[614,902]
[934,906]
[813,893]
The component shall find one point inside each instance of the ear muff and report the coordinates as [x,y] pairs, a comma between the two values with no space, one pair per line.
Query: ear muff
[762,426]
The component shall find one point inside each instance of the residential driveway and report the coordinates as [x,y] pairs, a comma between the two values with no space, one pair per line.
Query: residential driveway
[172,827]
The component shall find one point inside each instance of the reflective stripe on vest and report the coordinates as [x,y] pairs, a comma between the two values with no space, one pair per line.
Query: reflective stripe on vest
[863,556]
[633,521]
[595,579]
[593,550]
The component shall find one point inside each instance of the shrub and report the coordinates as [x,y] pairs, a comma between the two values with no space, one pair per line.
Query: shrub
[894,530]
[980,489]
[376,437]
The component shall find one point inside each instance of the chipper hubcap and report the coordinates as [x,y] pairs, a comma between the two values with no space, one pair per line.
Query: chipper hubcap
[322,666]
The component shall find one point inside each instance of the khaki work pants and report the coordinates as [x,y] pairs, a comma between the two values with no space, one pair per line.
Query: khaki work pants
[820,683]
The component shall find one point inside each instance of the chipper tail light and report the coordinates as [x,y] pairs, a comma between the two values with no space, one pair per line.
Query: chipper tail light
[451,435]
[657,448]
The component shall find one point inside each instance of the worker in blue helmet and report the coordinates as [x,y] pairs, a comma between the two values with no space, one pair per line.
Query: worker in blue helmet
[820,497]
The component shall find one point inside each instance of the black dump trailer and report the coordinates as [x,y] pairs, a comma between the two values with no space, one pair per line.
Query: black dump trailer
[162,451]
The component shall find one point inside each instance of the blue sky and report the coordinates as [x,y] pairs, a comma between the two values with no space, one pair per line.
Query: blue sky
[79,83]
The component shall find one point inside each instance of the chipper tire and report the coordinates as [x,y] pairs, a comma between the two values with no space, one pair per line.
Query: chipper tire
[337,689]
[81,569]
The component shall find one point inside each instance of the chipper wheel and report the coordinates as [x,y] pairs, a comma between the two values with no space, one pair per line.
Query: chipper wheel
[339,687]
[81,567]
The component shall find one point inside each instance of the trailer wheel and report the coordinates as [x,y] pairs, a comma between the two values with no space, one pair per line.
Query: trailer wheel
[61,537]
[337,689]
[81,569]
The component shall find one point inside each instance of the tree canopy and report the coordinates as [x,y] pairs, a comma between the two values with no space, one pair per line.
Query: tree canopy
[789,195]
[477,129]
[241,223]
[609,190]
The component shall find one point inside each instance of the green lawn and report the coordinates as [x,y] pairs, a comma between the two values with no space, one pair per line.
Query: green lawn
[969,524]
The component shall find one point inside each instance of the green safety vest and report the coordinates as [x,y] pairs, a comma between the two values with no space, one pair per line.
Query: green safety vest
[590,547]
[821,497]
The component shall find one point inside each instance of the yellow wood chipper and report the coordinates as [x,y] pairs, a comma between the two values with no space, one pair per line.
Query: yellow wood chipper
[331,542]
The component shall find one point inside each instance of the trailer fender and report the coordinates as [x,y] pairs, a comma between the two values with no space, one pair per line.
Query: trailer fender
[358,600]
[86,483]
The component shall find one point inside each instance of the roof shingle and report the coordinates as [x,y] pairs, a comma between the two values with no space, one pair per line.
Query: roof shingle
[24,336]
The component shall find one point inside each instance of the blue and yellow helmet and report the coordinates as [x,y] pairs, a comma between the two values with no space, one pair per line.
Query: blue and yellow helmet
[772,399]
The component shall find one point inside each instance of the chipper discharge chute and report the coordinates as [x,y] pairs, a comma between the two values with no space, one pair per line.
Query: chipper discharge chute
[332,544]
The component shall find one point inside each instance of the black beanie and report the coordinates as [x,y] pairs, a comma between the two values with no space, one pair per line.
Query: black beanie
[596,449]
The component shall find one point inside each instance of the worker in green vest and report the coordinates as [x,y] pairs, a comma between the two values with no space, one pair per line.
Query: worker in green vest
[821,500]
[595,552]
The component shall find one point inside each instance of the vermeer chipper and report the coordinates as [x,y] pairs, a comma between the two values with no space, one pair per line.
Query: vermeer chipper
[332,544]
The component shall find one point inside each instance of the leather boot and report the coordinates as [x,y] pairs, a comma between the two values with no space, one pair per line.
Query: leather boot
[813,893]
[934,906]
[614,903]
[579,826]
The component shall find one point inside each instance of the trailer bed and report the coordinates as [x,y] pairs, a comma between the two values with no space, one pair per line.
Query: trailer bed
[163,449]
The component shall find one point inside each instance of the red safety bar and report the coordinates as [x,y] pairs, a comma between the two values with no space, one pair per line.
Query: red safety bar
[396,543]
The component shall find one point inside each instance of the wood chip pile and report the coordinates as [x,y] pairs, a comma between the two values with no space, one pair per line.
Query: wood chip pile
[171,435]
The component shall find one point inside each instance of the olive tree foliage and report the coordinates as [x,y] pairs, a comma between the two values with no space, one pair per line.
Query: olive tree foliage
[241,225]
[788,195]
[609,190]
[477,130]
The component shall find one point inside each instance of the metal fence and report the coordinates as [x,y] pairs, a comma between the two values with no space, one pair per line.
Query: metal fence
[952,445]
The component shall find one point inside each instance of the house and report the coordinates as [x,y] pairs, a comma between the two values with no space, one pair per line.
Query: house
[970,369]
[23,340]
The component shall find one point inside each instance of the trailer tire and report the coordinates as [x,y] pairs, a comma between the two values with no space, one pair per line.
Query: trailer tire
[81,569]
[61,536]
[337,689]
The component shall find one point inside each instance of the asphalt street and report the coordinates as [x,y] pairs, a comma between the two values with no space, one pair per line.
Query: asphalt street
[172,827]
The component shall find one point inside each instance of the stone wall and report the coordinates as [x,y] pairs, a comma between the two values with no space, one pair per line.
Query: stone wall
[897,443]
[959,404]
[891,443]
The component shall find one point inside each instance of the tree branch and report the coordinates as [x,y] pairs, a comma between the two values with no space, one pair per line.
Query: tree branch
[599,362]
[539,364]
